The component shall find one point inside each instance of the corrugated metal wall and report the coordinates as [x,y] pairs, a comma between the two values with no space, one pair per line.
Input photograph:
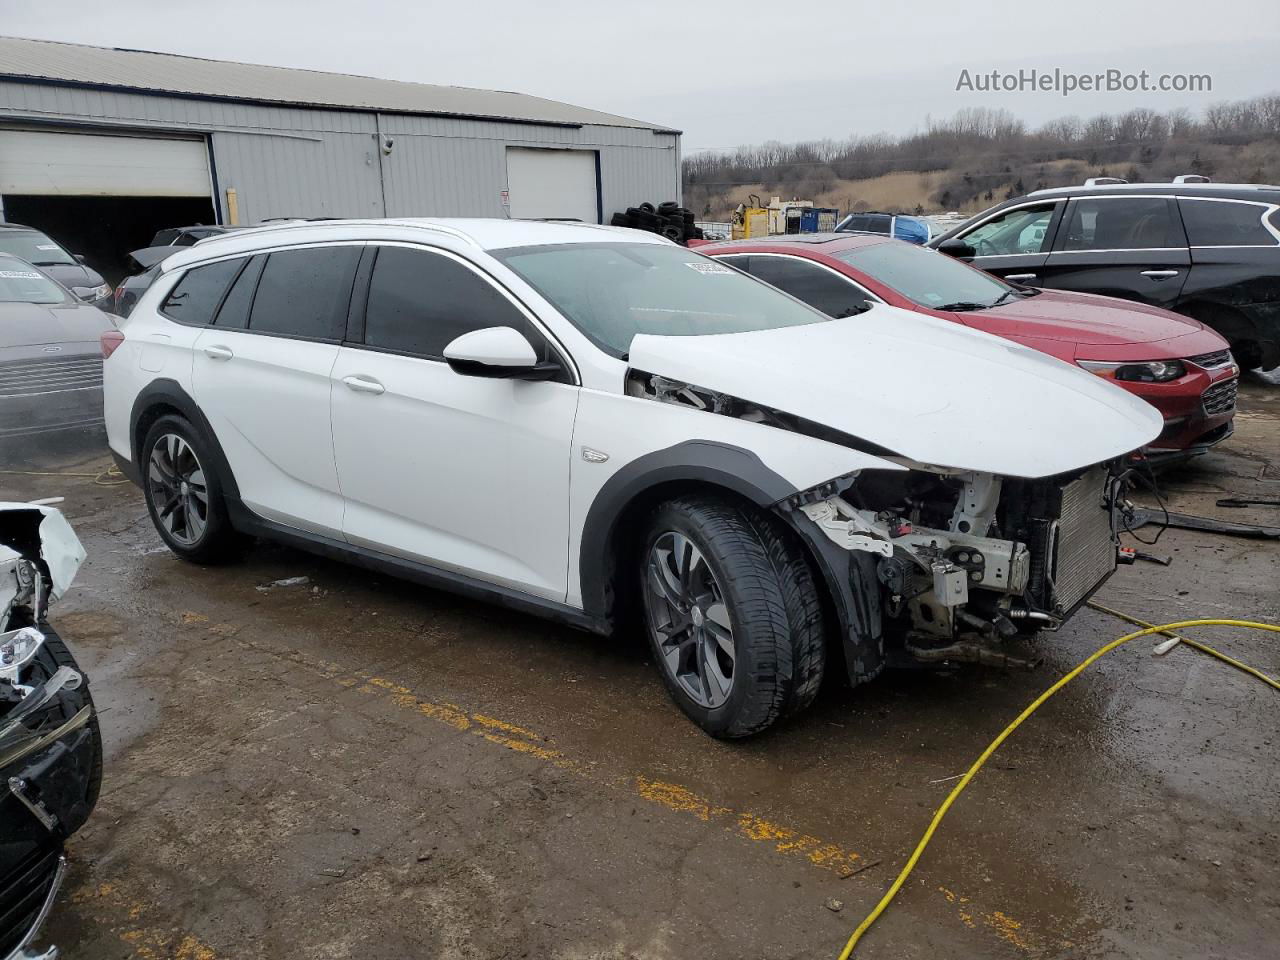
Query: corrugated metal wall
[286,161]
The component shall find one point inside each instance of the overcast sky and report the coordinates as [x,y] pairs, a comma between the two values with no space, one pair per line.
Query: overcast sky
[727,73]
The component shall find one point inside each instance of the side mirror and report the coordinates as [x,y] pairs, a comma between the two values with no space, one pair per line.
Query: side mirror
[955,247]
[499,352]
[80,257]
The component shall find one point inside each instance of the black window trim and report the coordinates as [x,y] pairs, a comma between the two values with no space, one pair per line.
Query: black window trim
[1170,202]
[248,263]
[1268,211]
[182,275]
[874,298]
[364,278]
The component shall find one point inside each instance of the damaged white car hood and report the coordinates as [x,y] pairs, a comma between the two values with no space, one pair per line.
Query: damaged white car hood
[930,390]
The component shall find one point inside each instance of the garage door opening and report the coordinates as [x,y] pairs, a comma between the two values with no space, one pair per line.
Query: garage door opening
[105,229]
[103,193]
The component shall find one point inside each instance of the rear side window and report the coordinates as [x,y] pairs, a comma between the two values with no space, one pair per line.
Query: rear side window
[815,285]
[867,223]
[234,312]
[305,293]
[420,302]
[196,297]
[1121,223]
[1218,223]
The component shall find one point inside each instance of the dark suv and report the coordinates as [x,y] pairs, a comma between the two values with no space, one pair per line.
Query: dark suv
[1207,250]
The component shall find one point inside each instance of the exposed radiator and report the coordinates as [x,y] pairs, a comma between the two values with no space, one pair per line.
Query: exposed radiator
[1082,552]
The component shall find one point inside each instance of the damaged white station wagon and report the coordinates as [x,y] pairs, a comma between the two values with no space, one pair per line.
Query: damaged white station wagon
[600,426]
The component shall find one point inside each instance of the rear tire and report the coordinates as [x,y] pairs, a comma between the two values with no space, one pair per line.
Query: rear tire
[184,493]
[732,613]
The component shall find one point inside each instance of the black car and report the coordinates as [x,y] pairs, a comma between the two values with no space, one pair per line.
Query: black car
[187,236]
[50,743]
[1207,250]
[146,263]
[29,244]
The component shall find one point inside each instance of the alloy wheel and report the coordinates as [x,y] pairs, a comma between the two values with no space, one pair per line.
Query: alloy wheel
[689,619]
[179,493]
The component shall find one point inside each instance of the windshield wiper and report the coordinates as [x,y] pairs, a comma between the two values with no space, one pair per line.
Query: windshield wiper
[1011,292]
[960,306]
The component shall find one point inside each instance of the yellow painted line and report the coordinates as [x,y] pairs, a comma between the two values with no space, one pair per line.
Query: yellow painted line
[746,825]
[145,940]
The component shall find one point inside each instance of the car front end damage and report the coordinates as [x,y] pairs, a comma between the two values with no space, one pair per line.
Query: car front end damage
[928,563]
[964,562]
[50,746]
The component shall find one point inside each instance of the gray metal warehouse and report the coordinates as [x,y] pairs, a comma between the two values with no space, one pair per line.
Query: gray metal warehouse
[101,147]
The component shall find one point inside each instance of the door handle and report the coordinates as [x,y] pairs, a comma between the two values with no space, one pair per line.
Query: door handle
[1020,277]
[218,352]
[364,385]
[1160,274]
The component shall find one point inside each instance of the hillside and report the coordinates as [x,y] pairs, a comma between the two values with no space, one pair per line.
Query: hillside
[980,157]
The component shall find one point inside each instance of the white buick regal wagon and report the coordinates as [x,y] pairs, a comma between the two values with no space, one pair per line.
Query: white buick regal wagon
[608,429]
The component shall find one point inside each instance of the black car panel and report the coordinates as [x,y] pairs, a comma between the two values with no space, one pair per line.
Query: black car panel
[1128,247]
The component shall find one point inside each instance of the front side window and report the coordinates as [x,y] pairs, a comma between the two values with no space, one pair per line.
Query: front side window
[33,247]
[305,293]
[19,283]
[1225,223]
[1121,223]
[420,302]
[1019,231]
[195,298]
[817,286]
[927,277]
[614,291]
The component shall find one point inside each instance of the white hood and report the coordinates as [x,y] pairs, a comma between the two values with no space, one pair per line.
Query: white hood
[928,389]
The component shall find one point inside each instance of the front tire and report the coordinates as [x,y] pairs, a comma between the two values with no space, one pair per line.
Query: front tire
[732,613]
[183,493]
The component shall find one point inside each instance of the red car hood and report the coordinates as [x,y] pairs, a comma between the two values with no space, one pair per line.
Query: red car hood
[1086,319]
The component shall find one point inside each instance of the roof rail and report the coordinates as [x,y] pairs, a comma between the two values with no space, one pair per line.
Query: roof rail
[1191,178]
[282,226]
[1104,181]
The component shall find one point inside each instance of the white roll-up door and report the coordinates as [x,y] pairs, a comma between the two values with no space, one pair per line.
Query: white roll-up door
[49,163]
[557,184]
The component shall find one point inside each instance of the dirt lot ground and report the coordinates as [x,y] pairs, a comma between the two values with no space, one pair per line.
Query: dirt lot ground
[359,767]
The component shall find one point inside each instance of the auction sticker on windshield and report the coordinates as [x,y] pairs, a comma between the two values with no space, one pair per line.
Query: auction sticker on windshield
[708,267]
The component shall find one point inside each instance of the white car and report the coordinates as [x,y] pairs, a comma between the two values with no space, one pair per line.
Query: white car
[600,426]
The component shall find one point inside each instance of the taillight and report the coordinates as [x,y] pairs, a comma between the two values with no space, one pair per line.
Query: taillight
[110,340]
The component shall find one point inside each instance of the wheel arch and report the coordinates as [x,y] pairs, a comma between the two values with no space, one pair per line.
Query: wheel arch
[164,397]
[1235,324]
[615,522]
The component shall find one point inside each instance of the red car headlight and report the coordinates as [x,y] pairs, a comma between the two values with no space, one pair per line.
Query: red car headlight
[1148,371]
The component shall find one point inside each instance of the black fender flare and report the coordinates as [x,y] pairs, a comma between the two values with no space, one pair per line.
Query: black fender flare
[849,577]
[169,393]
[704,462]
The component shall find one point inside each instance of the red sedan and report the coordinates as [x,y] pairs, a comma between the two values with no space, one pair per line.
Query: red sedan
[1180,366]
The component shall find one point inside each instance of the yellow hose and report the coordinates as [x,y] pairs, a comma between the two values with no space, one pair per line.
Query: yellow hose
[1035,705]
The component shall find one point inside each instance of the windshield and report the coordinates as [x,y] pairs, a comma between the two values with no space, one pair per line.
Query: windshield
[33,247]
[613,291]
[927,277]
[19,283]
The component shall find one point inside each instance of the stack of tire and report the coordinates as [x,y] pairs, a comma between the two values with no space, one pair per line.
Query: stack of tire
[668,219]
